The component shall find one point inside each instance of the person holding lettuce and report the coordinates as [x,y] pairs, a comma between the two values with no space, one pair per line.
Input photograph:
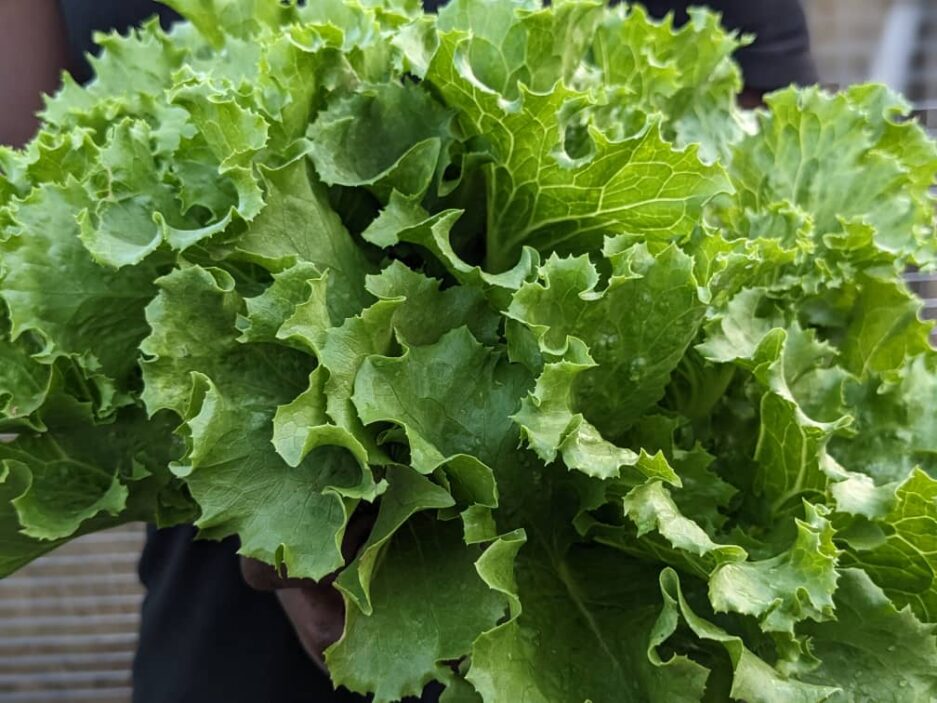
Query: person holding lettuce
[215,628]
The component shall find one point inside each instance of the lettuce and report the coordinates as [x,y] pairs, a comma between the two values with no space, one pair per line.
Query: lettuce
[629,374]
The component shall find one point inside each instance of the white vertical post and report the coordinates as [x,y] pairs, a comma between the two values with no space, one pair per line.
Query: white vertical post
[892,62]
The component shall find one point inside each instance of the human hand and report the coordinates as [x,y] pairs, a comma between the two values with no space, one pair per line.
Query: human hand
[315,608]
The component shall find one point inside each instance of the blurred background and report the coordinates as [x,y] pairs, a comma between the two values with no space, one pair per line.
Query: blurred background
[68,622]
[893,41]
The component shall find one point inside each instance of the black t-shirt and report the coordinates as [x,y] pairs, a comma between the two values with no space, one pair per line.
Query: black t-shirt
[205,636]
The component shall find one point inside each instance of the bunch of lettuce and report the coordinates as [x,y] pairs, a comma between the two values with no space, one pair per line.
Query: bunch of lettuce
[629,376]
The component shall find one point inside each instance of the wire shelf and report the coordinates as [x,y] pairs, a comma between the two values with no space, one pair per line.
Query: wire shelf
[69,621]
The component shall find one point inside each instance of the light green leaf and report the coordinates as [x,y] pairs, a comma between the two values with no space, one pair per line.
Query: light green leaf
[538,195]
[603,607]
[651,508]
[216,19]
[872,650]
[754,679]
[300,226]
[636,329]
[50,282]
[884,328]
[443,420]
[736,332]
[285,515]
[819,153]
[905,565]
[407,494]
[303,425]
[428,312]
[63,493]
[687,74]
[406,221]
[857,494]
[550,425]
[267,312]
[139,211]
[233,133]
[25,384]
[896,425]
[78,477]
[411,309]
[427,602]
[290,517]
[781,591]
[192,324]
[400,135]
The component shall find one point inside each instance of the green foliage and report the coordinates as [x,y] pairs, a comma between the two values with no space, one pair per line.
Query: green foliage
[628,373]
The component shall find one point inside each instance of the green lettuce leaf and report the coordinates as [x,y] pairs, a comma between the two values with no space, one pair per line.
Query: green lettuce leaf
[638,186]
[873,651]
[903,565]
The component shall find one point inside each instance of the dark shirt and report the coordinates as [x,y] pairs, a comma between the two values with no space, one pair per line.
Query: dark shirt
[205,636]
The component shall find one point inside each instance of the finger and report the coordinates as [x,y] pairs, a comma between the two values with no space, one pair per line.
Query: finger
[264,577]
[317,616]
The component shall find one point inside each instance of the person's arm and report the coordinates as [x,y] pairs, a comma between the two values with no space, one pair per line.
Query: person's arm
[32,56]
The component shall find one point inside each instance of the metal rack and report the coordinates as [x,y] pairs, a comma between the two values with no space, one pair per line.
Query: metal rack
[844,37]
[69,621]
[892,41]
[923,74]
